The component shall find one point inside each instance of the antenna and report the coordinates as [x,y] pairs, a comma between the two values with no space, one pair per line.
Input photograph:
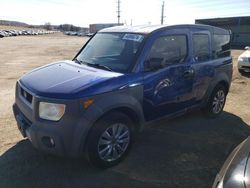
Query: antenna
[118,11]
[162,12]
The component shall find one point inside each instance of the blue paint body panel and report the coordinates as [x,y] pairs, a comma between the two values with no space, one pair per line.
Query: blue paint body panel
[68,80]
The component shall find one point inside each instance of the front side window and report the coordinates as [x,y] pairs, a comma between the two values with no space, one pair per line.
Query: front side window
[201,50]
[168,50]
[115,51]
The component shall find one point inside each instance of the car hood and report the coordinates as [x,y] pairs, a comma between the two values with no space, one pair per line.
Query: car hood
[67,79]
[245,54]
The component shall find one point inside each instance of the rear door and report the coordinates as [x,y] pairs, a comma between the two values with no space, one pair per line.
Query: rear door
[202,62]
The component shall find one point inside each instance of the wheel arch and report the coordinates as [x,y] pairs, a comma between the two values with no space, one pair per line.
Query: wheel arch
[130,112]
[127,104]
[222,79]
[223,83]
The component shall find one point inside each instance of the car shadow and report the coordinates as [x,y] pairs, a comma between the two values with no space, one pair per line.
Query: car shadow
[186,151]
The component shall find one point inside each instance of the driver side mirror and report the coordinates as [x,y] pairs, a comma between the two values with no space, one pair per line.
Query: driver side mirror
[247,48]
[153,64]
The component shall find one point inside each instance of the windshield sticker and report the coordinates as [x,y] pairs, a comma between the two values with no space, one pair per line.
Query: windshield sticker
[133,37]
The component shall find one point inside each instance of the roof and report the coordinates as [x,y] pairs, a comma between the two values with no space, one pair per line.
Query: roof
[146,29]
[134,29]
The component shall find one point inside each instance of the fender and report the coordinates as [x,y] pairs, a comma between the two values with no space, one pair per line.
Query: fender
[130,98]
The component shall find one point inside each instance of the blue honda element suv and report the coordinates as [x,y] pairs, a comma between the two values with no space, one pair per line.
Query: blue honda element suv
[122,78]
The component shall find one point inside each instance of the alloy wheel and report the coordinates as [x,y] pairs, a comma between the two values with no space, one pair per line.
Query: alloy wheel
[113,142]
[218,101]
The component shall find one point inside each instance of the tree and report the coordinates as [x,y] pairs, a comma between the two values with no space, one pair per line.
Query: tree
[48,26]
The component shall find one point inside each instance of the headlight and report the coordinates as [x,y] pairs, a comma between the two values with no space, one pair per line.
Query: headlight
[240,59]
[51,111]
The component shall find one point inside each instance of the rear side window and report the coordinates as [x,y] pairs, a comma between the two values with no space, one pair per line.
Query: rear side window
[169,50]
[221,46]
[201,50]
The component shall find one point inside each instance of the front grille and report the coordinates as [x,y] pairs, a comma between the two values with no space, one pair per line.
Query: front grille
[245,67]
[246,59]
[26,95]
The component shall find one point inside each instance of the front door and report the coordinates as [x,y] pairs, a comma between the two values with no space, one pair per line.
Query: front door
[168,77]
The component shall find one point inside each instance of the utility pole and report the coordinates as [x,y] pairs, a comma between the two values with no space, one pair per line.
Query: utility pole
[162,13]
[118,11]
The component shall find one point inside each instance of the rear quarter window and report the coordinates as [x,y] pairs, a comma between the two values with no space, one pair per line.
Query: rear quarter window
[221,46]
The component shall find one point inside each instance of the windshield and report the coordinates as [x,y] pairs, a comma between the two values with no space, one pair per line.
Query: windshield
[111,51]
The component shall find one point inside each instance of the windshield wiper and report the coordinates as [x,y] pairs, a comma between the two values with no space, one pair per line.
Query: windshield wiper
[99,66]
[77,61]
[93,65]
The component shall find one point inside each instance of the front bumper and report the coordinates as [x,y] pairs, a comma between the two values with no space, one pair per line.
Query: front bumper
[65,137]
[243,65]
[42,138]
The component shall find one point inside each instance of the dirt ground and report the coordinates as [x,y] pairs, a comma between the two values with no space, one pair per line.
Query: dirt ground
[184,152]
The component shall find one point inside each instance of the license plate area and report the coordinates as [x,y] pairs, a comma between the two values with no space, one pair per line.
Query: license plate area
[22,124]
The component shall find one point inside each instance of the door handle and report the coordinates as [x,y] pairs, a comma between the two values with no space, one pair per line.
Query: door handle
[188,73]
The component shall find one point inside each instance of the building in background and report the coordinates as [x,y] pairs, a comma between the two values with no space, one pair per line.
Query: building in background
[93,28]
[239,26]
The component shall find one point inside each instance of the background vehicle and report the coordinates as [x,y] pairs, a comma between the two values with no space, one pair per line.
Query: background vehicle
[244,61]
[236,170]
[2,34]
[122,78]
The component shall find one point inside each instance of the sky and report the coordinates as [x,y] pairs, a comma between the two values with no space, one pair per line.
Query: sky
[135,12]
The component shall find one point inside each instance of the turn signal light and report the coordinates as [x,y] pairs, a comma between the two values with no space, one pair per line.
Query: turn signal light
[88,103]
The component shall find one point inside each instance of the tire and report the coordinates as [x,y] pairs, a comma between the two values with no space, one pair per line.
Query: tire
[241,71]
[216,102]
[106,149]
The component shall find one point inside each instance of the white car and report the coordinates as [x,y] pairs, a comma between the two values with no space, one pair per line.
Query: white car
[244,61]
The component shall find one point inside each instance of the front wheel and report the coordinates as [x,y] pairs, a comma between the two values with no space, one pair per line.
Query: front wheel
[216,102]
[110,140]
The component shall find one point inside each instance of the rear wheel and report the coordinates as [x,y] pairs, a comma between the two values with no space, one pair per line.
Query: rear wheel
[216,102]
[110,140]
